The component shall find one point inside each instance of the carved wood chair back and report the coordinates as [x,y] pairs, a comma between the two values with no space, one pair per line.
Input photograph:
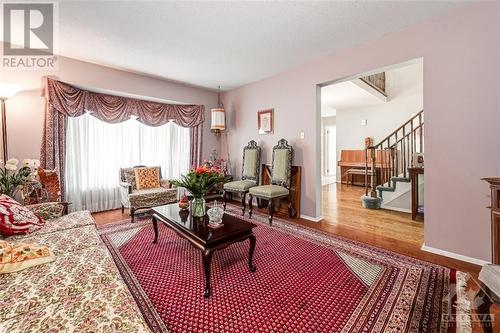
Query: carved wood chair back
[282,164]
[251,162]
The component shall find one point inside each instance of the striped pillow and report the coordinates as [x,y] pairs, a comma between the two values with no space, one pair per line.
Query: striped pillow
[16,219]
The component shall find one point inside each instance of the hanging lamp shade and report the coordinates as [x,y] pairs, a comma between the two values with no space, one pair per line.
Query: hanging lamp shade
[218,123]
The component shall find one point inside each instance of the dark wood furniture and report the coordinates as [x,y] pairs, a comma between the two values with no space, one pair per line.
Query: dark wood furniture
[495,218]
[352,172]
[204,238]
[217,191]
[249,175]
[280,182]
[355,160]
[295,189]
[416,209]
[483,300]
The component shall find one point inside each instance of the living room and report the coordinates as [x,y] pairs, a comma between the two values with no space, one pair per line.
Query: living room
[108,116]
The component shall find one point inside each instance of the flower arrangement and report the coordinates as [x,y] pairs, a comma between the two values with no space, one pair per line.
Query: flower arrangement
[215,162]
[12,178]
[198,181]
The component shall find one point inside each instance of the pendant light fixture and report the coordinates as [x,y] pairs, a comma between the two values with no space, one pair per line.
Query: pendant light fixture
[218,117]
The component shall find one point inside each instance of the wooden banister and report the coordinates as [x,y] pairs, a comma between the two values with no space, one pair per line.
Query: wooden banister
[394,154]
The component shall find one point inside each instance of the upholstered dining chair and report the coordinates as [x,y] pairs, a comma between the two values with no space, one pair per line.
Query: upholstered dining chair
[249,174]
[280,180]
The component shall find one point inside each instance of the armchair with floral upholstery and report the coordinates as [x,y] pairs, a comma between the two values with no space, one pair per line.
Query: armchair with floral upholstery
[43,195]
[138,199]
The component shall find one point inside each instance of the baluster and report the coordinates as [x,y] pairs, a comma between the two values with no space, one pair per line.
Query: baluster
[389,158]
[366,171]
[373,192]
[404,152]
[421,132]
[382,176]
[407,151]
[412,143]
[397,155]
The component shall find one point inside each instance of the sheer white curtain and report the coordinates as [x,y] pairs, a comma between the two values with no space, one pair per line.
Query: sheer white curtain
[95,151]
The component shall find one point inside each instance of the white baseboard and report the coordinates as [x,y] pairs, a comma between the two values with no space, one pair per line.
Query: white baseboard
[454,255]
[310,218]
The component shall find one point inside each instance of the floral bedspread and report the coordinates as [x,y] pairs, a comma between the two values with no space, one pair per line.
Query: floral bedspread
[81,291]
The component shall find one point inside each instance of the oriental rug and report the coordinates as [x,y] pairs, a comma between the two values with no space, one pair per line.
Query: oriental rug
[306,281]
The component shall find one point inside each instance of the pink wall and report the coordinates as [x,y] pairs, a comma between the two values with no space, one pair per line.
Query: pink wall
[24,111]
[461,102]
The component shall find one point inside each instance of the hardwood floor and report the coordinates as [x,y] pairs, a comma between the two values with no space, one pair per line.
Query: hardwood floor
[342,207]
[344,216]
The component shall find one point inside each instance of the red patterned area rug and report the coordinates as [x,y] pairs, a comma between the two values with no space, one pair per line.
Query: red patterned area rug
[306,281]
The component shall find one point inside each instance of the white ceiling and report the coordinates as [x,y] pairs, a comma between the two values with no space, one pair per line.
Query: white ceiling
[346,95]
[226,43]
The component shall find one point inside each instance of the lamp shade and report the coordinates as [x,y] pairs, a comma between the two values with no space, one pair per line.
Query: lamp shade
[8,90]
[218,119]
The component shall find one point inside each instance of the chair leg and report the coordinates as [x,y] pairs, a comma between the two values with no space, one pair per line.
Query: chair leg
[291,211]
[243,203]
[270,208]
[123,209]
[132,213]
[224,195]
[250,206]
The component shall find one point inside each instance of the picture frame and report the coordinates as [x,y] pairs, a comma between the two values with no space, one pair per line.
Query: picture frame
[265,121]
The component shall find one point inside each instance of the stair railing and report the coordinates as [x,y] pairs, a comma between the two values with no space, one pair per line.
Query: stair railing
[393,155]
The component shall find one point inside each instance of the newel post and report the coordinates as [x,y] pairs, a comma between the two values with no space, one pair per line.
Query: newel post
[373,192]
[372,201]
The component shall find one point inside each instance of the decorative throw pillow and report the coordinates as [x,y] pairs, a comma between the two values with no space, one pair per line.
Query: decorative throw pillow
[146,178]
[16,219]
[17,256]
[50,180]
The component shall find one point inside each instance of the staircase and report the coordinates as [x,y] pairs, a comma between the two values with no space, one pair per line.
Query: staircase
[389,161]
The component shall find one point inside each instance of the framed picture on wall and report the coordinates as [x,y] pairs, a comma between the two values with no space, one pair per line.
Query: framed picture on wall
[265,121]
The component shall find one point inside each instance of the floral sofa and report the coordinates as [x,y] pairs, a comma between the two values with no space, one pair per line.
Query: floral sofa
[81,291]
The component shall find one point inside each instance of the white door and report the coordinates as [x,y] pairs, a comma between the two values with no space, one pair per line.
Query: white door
[330,150]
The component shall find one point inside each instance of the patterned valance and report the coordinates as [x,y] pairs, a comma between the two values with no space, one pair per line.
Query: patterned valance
[63,100]
[73,102]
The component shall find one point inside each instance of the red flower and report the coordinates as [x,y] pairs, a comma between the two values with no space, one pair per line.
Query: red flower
[200,170]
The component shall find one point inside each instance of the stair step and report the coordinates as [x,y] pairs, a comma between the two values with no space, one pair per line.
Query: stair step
[394,180]
[400,179]
[386,188]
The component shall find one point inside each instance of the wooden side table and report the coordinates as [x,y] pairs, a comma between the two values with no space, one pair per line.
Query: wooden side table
[485,304]
[416,209]
[495,218]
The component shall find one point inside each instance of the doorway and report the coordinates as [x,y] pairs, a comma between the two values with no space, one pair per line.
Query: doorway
[361,111]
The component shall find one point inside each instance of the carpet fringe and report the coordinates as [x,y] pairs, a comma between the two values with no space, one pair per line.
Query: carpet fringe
[463,305]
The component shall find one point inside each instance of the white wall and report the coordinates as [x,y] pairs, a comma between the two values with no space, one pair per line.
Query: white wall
[404,87]
[325,121]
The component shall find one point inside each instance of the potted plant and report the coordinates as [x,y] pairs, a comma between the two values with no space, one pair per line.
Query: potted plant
[12,179]
[198,181]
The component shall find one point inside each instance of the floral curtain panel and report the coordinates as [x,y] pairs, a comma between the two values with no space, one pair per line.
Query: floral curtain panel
[63,100]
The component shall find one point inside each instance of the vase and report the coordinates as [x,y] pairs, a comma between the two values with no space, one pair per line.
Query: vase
[198,207]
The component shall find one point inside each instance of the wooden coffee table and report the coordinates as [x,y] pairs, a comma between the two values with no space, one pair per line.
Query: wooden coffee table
[203,237]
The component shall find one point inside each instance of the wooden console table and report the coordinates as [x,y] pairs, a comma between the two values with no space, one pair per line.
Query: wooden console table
[416,209]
